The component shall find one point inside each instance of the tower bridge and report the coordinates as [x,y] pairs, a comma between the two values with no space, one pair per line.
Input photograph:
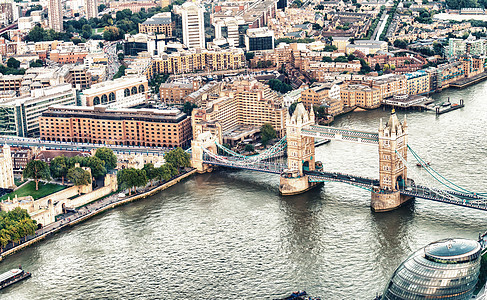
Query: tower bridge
[293,157]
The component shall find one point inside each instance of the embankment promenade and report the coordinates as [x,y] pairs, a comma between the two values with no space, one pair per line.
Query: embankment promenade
[88,211]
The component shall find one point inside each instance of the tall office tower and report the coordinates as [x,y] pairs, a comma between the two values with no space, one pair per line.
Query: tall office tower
[91,9]
[193,25]
[55,15]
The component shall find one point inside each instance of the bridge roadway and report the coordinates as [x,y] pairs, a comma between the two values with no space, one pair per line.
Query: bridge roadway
[320,176]
[239,163]
[460,199]
[348,135]
[72,146]
[418,191]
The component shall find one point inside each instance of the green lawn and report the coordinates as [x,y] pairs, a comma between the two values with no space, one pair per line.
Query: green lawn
[30,190]
[18,182]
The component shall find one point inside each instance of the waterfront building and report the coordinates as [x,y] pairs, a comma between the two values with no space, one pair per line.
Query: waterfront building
[91,9]
[6,168]
[318,94]
[55,12]
[99,124]
[122,92]
[20,116]
[446,269]
[390,85]
[160,23]
[418,83]
[241,109]
[192,24]
[259,39]
[360,95]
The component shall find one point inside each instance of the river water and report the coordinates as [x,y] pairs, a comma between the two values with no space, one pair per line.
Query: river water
[229,235]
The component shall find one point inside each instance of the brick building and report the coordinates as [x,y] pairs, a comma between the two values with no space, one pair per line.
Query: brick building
[99,124]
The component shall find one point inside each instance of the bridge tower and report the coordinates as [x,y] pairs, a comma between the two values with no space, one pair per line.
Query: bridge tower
[300,152]
[393,140]
[206,140]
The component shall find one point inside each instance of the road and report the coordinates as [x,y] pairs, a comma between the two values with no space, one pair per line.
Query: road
[113,62]
[29,142]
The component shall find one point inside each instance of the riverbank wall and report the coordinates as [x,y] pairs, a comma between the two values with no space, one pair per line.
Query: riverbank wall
[91,214]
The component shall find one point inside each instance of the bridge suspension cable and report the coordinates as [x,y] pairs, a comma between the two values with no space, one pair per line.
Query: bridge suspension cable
[441,192]
[268,153]
[428,168]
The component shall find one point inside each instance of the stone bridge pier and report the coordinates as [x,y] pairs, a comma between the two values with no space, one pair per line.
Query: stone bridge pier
[300,153]
[393,151]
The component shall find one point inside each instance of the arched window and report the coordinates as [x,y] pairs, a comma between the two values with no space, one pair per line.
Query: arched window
[104,99]
[96,100]
[141,88]
[126,92]
[111,97]
[134,90]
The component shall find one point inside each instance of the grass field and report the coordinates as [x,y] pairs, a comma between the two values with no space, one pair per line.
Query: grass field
[30,190]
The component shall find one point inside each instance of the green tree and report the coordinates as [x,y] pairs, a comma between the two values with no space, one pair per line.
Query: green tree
[341,59]
[131,178]
[36,64]
[105,154]
[267,133]
[120,72]
[37,170]
[327,59]
[400,44]
[188,108]
[78,176]
[101,7]
[150,172]
[249,148]
[59,167]
[96,165]
[121,56]
[178,158]
[13,63]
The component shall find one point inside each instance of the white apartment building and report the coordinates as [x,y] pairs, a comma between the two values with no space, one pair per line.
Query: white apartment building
[193,25]
[55,11]
[6,168]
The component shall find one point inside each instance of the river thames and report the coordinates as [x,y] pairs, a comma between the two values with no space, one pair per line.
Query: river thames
[230,235]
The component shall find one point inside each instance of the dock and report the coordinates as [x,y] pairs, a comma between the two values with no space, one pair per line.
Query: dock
[465,82]
[406,102]
[449,108]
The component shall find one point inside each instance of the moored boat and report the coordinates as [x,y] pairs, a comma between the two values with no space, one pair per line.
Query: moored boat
[13,276]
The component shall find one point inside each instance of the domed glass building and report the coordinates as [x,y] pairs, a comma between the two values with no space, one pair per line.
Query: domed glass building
[446,269]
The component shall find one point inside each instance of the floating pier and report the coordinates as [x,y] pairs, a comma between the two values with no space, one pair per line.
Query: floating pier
[449,108]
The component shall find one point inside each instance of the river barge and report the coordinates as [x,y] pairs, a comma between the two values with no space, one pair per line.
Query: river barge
[447,107]
[13,276]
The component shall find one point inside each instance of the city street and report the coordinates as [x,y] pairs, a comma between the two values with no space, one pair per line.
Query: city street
[29,142]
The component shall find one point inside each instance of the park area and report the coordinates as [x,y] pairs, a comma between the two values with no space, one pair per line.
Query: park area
[29,189]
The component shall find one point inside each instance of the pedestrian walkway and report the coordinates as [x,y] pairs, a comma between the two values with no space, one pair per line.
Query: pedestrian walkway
[84,213]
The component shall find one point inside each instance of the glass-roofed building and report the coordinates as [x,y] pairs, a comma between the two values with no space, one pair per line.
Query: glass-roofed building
[446,269]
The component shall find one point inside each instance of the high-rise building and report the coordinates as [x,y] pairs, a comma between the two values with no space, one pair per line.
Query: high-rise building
[259,39]
[91,9]
[55,11]
[193,25]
